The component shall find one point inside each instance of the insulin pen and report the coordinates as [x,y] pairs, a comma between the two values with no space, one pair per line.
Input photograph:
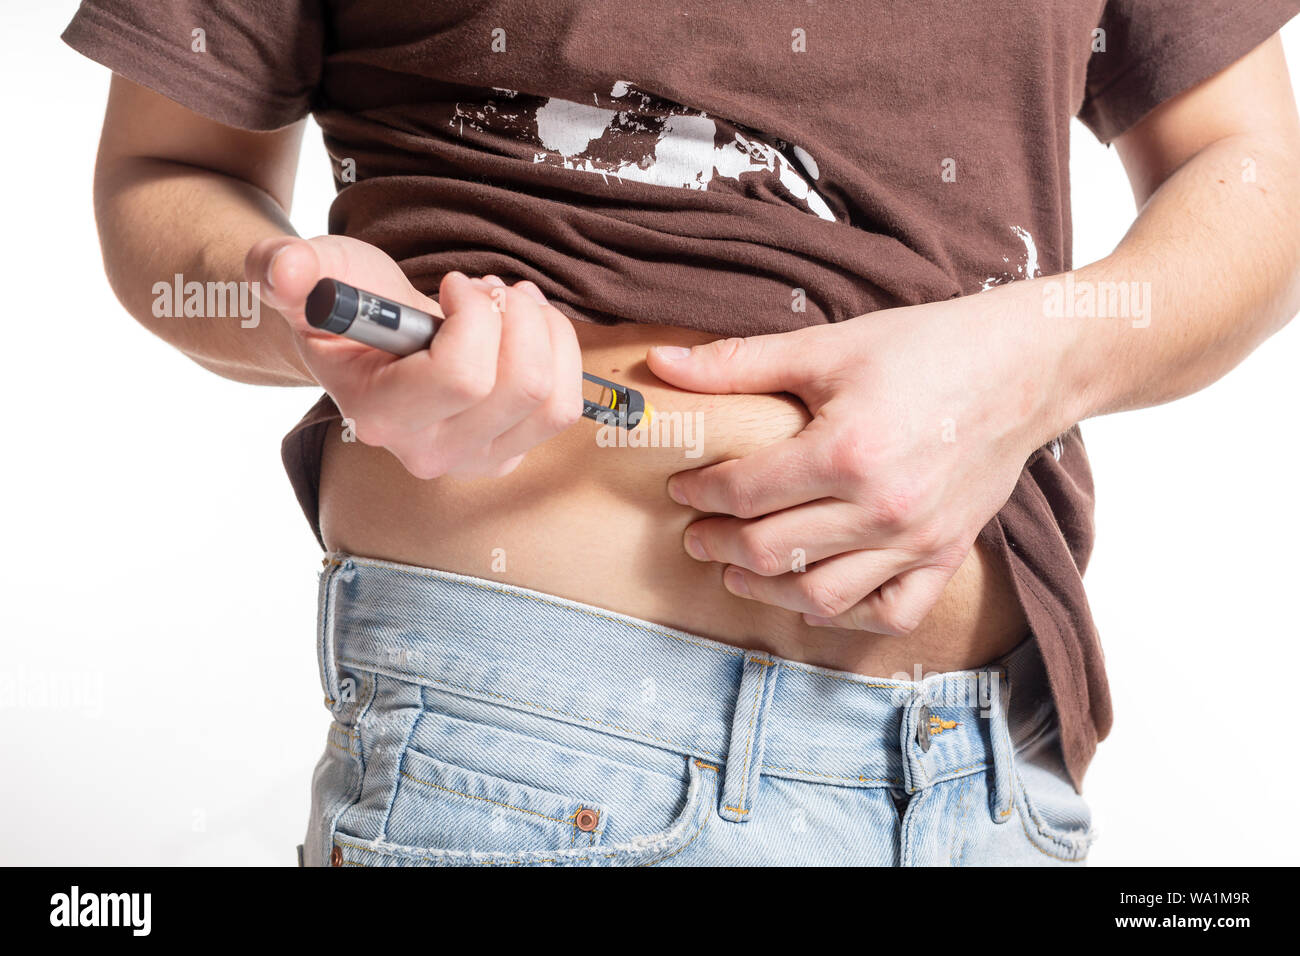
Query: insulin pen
[337,307]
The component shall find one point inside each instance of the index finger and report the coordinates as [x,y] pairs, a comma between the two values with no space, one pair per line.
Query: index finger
[780,476]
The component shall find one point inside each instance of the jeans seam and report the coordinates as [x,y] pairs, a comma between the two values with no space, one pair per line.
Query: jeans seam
[1028,815]
[680,748]
[359,757]
[406,744]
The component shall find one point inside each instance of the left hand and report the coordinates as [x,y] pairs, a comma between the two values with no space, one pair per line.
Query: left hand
[923,418]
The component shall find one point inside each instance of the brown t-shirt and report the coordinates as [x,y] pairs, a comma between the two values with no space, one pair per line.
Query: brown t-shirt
[736,167]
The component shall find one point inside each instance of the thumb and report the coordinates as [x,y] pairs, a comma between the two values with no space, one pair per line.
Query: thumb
[285,269]
[762,363]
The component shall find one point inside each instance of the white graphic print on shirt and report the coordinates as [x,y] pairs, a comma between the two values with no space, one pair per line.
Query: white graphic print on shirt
[642,138]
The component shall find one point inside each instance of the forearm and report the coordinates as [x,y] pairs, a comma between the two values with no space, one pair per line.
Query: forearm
[1210,269]
[1219,244]
[159,219]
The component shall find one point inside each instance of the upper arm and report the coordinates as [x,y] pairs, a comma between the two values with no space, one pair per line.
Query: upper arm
[142,124]
[1252,97]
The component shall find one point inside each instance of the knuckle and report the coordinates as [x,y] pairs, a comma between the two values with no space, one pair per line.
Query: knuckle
[824,600]
[561,415]
[898,622]
[893,508]
[738,500]
[532,385]
[757,553]
[928,540]
[898,618]
[852,458]
[464,386]
[731,349]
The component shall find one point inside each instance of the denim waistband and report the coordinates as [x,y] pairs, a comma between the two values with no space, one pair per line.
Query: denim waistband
[746,710]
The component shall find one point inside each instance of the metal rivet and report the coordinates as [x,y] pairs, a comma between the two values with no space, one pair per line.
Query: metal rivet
[586,820]
[923,728]
[336,857]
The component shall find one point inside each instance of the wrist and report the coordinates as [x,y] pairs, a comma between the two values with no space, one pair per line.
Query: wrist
[1049,387]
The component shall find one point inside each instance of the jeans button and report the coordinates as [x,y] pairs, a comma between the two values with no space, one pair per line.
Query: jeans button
[923,728]
[336,857]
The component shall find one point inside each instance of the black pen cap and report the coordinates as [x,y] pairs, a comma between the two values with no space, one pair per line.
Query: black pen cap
[332,306]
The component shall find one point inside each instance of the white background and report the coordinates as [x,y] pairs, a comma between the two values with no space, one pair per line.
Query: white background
[156,559]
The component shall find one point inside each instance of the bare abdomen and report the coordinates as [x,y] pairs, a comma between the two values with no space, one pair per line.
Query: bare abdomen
[592,522]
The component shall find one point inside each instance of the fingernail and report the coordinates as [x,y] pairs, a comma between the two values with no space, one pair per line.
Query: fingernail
[734,580]
[816,621]
[671,353]
[530,288]
[494,281]
[675,492]
[270,267]
[695,548]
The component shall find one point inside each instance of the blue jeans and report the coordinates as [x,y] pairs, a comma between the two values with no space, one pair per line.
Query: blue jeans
[480,724]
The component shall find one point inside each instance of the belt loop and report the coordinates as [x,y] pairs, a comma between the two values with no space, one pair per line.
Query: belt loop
[913,735]
[325,658]
[995,706]
[745,750]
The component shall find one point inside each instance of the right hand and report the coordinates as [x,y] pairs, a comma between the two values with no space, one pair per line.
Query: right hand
[503,373]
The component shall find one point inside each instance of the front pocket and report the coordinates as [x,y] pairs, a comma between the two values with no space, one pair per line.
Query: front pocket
[440,806]
[1066,840]
[1055,819]
[667,847]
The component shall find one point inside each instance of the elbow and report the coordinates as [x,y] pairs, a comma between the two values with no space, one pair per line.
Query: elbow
[121,263]
[1267,167]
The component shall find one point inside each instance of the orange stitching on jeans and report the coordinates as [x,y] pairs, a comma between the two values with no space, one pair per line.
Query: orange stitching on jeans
[572,818]
[749,744]
[701,763]
[759,660]
[350,753]
[938,725]
[1029,837]
[972,766]
[484,799]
